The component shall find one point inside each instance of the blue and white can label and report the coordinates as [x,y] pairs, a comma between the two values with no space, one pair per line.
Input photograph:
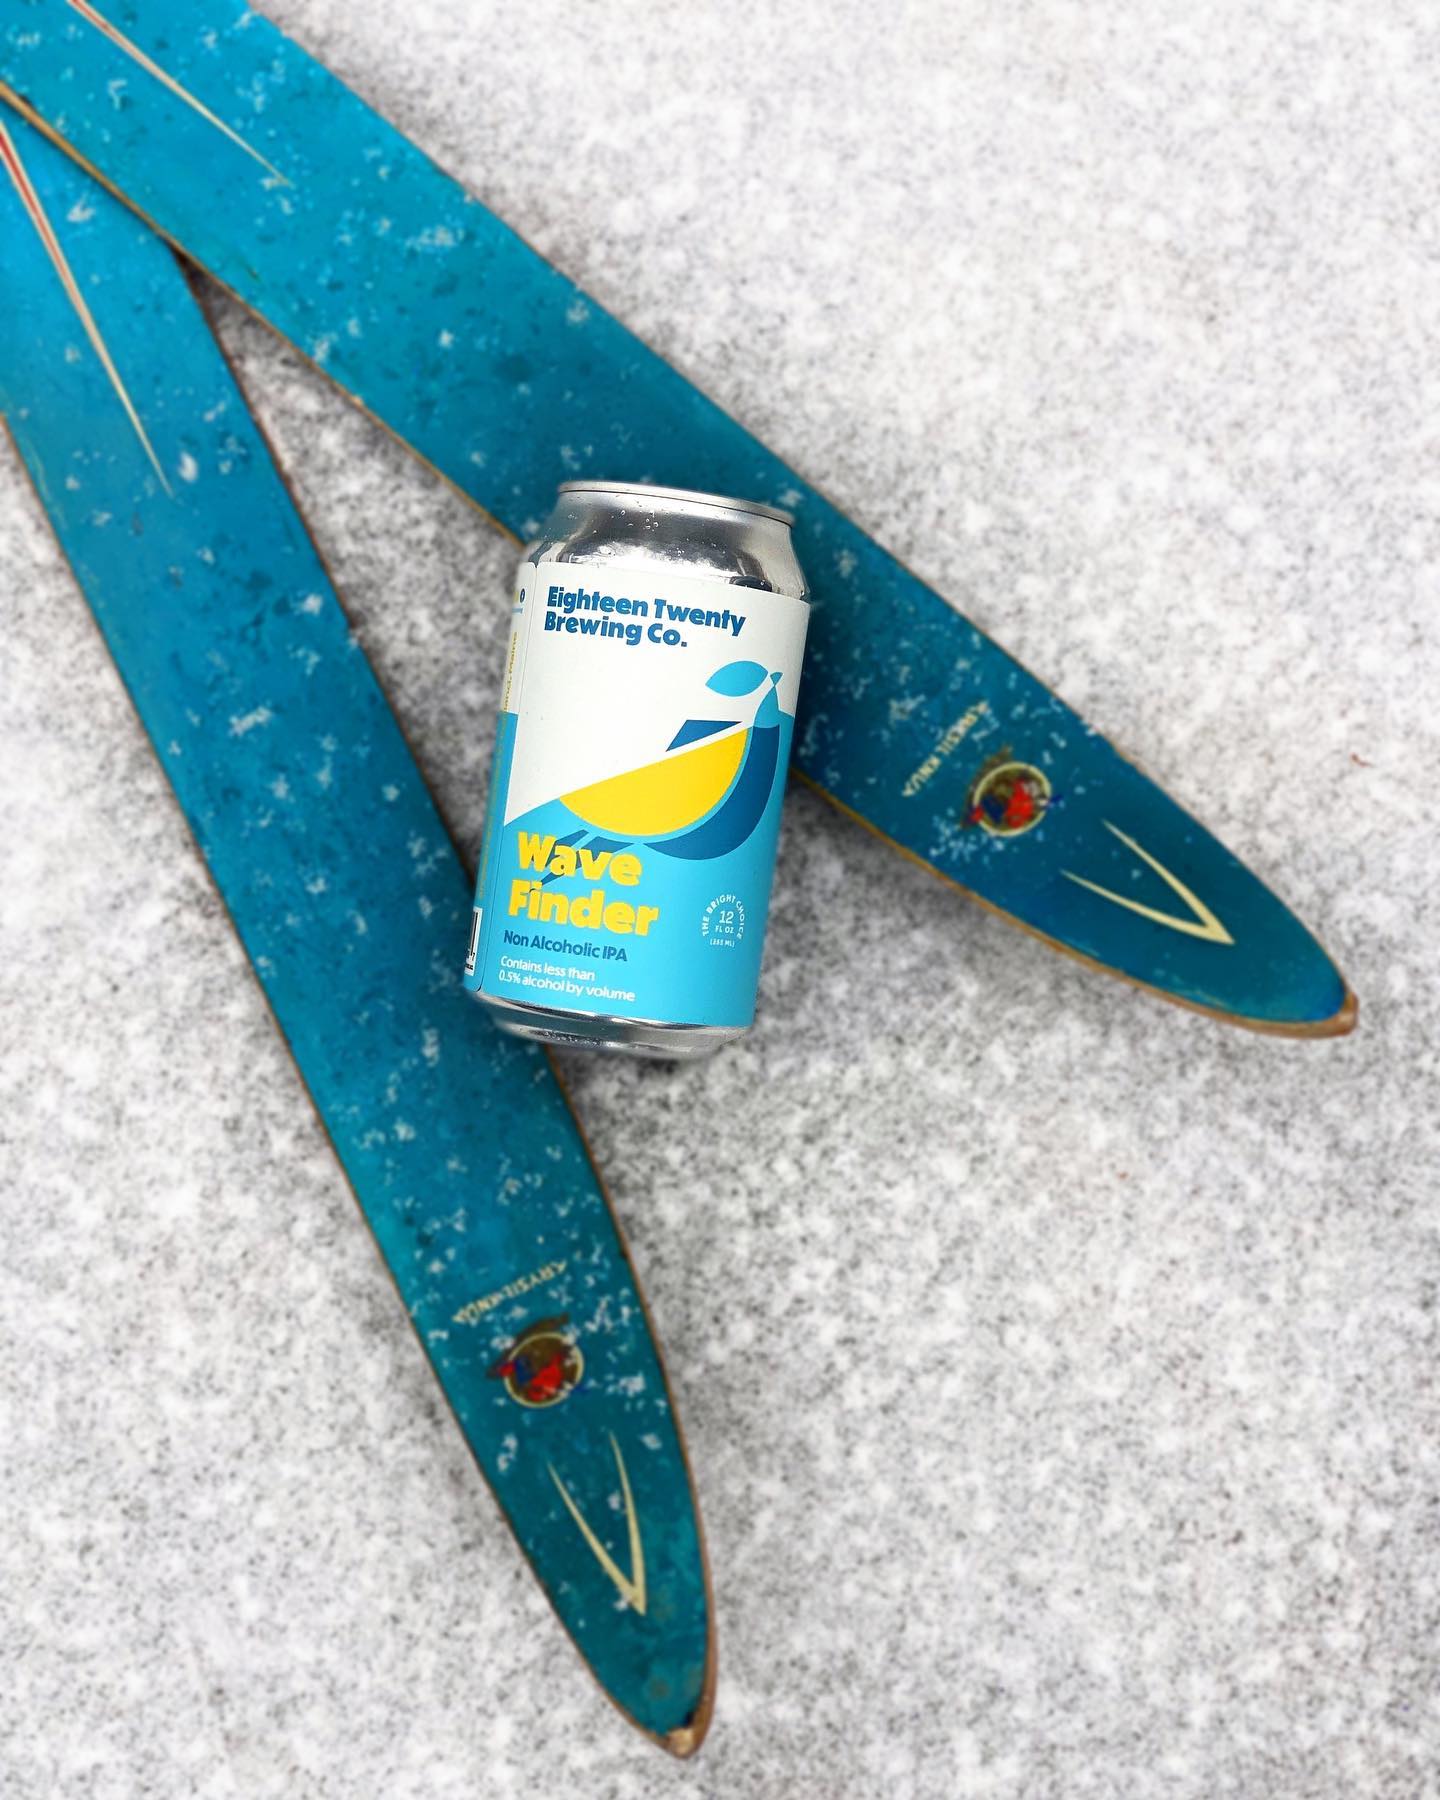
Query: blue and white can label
[635,797]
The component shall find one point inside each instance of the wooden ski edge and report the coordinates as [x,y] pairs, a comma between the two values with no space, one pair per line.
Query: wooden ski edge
[1340,1023]
[683,1741]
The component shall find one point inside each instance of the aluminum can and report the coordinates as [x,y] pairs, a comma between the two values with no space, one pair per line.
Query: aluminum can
[639,771]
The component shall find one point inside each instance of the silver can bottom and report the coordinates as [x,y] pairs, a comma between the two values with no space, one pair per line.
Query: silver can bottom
[618,1037]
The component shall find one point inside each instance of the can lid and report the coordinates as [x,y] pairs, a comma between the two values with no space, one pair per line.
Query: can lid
[693,495]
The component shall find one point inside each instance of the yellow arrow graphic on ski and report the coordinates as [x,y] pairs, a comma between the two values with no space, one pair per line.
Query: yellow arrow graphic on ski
[631,1586]
[1202,924]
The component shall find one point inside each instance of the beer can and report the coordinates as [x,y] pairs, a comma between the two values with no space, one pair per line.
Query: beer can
[645,722]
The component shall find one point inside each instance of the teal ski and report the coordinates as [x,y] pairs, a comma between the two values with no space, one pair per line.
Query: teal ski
[505,377]
[351,901]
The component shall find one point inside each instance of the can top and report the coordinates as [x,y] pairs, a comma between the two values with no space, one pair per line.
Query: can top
[692,495]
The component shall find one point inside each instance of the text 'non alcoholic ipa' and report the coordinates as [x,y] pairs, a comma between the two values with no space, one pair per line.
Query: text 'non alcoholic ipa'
[645,721]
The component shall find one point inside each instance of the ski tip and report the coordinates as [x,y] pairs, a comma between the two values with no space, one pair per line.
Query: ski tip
[681,1741]
[685,1741]
[1340,1023]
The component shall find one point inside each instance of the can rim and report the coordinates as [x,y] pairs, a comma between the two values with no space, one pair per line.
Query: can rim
[676,493]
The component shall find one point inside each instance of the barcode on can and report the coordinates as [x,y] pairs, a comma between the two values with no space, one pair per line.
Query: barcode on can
[471,953]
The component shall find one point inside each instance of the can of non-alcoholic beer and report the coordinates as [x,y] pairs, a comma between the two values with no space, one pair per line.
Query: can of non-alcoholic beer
[645,721]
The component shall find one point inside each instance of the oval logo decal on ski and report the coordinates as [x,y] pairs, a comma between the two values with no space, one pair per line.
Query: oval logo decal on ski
[1009,799]
[541,1367]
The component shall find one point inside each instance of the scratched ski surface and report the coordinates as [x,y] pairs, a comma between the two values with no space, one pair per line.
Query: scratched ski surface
[353,906]
[507,379]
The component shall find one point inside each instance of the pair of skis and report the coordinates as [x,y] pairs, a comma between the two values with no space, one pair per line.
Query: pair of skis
[234,145]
